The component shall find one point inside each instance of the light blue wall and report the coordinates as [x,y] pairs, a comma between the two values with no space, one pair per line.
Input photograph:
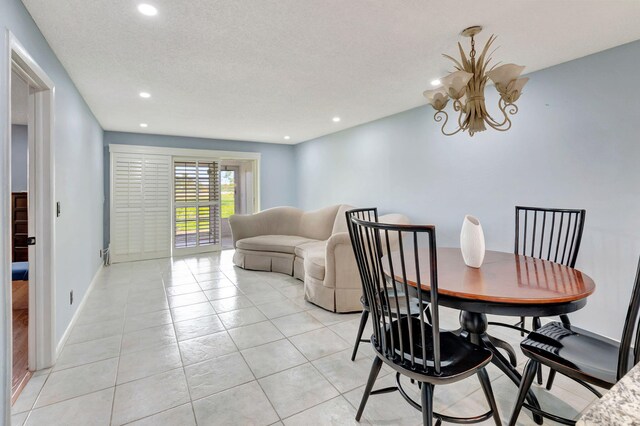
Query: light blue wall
[574,144]
[78,173]
[19,151]
[277,164]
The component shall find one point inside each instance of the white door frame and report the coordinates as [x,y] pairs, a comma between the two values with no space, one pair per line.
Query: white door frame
[42,345]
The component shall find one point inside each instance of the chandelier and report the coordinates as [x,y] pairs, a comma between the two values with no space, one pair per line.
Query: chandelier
[465,87]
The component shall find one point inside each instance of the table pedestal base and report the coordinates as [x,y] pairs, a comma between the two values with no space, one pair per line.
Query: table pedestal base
[474,326]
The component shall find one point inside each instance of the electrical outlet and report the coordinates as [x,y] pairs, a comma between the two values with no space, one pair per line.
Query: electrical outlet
[71,297]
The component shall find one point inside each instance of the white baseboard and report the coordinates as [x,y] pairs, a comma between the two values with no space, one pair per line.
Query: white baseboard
[67,332]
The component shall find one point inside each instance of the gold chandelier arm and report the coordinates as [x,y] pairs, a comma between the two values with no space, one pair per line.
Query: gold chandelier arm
[490,121]
[512,109]
[442,115]
[458,107]
[504,126]
[507,109]
[493,123]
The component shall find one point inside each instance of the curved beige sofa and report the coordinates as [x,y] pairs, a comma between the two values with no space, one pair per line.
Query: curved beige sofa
[311,246]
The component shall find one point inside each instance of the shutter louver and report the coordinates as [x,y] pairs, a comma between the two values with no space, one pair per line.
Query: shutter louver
[197,204]
[141,209]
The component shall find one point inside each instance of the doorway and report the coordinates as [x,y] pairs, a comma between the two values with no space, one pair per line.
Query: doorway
[196,206]
[230,200]
[30,286]
[20,227]
[235,186]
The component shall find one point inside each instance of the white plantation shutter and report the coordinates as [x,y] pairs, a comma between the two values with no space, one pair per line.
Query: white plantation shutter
[140,206]
[197,204]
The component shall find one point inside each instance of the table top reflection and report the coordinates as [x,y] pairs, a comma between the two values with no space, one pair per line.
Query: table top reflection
[502,278]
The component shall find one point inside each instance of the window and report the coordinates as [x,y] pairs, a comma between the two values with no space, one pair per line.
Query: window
[197,203]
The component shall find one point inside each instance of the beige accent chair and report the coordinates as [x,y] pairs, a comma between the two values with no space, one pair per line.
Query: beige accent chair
[311,246]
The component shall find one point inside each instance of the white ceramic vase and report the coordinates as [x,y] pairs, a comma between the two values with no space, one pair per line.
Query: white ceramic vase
[472,242]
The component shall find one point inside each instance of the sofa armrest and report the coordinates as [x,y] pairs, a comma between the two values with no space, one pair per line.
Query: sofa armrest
[338,239]
[341,270]
[274,221]
[244,226]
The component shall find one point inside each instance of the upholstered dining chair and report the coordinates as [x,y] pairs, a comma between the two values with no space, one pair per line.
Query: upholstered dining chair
[549,234]
[369,214]
[408,344]
[585,357]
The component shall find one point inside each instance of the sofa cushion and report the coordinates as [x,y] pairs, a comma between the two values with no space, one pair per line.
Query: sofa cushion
[314,265]
[318,224]
[274,221]
[276,243]
[316,247]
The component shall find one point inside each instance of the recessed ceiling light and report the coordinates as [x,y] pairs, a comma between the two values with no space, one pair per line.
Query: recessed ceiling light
[145,95]
[436,82]
[144,125]
[287,138]
[147,9]
[336,119]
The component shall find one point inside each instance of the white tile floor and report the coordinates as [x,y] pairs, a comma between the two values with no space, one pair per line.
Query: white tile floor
[198,341]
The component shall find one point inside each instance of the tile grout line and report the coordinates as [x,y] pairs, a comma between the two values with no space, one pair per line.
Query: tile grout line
[76,396]
[278,372]
[115,384]
[184,372]
[48,375]
[253,373]
[260,386]
[226,329]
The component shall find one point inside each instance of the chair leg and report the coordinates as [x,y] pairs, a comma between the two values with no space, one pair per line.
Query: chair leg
[363,322]
[536,325]
[427,404]
[498,343]
[373,375]
[552,376]
[552,373]
[522,324]
[527,379]
[485,382]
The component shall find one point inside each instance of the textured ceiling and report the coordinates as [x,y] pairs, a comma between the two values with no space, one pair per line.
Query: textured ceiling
[261,69]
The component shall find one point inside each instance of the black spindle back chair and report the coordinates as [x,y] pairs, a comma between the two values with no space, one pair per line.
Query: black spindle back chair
[389,259]
[631,324]
[369,214]
[583,356]
[549,234]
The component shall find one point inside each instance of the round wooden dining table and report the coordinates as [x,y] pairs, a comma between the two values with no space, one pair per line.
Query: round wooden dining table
[506,284]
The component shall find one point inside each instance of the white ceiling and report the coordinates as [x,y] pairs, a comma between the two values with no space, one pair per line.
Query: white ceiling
[261,69]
